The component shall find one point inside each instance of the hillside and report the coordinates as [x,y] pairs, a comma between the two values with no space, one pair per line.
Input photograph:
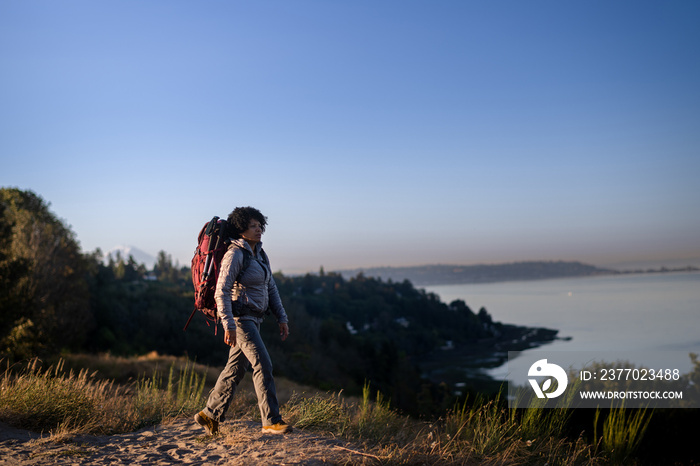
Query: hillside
[427,275]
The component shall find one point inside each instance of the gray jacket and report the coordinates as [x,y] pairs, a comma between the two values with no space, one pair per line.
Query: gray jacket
[257,289]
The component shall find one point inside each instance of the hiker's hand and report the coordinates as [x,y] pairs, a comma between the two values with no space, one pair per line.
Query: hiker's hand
[230,337]
[284,331]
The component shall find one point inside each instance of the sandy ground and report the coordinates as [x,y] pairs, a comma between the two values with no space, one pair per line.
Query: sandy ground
[180,441]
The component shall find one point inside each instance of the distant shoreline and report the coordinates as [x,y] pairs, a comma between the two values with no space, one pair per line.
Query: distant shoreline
[429,275]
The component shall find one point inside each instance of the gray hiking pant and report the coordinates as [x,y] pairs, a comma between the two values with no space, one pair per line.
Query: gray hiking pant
[249,349]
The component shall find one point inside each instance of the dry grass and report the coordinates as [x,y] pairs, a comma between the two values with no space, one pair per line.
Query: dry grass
[623,431]
[61,402]
[481,433]
[67,402]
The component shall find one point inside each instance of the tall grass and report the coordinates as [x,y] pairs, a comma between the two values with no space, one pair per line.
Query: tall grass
[623,431]
[154,402]
[47,399]
[320,413]
[483,432]
[538,421]
[484,426]
[366,420]
[53,400]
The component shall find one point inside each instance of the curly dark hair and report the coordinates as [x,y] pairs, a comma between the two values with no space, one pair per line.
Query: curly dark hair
[240,218]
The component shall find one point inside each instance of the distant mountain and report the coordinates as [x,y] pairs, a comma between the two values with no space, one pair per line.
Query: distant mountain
[428,275]
[141,257]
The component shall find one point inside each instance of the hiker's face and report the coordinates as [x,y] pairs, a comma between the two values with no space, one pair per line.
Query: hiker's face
[254,232]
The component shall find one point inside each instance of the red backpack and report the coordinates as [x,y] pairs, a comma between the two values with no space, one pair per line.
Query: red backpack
[212,243]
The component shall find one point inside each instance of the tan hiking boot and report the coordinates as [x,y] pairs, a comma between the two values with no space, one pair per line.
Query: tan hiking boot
[210,425]
[279,428]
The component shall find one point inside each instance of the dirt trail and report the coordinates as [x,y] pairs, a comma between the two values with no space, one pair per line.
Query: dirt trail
[180,441]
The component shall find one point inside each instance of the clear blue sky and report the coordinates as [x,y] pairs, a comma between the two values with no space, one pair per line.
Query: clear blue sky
[370,133]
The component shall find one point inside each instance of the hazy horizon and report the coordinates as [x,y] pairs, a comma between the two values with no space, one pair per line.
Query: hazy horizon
[370,133]
[148,259]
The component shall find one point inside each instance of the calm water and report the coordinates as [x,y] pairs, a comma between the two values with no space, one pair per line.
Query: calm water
[639,314]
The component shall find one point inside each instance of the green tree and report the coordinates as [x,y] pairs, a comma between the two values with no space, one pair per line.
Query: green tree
[45,302]
[14,273]
[167,272]
[163,267]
